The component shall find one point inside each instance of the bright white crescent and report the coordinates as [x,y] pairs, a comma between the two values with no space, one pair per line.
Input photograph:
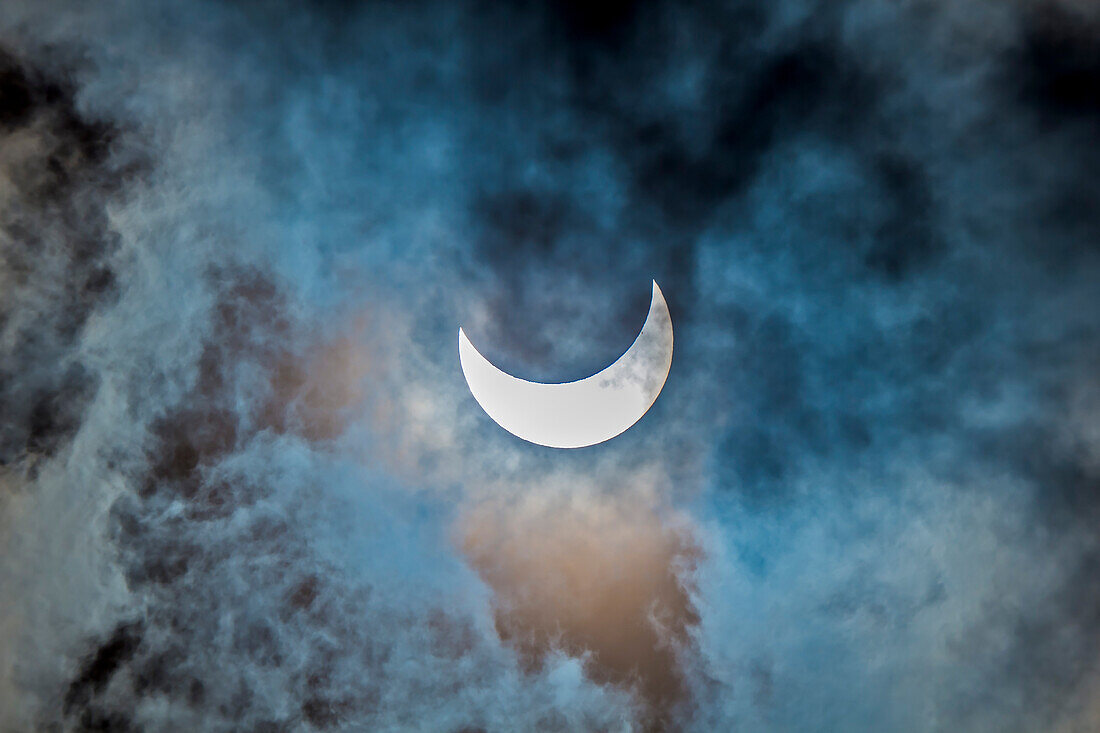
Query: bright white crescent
[584,412]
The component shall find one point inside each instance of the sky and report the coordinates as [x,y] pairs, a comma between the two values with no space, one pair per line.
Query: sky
[243,483]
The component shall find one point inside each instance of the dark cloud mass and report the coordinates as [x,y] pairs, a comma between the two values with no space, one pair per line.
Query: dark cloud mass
[243,485]
[56,247]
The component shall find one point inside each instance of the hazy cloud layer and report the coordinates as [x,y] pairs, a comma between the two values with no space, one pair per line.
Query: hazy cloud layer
[243,485]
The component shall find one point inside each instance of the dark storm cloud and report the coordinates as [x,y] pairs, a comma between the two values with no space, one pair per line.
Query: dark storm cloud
[97,671]
[55,250]
[866,499]
[1058,60]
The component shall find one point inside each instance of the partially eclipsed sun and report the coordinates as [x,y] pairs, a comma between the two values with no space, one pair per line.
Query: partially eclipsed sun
[584,412]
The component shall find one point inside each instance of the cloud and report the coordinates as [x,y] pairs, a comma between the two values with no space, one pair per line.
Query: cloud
[602,576]
[244,486]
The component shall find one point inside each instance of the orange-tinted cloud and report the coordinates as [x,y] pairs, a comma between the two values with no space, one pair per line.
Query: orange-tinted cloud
[602,575]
